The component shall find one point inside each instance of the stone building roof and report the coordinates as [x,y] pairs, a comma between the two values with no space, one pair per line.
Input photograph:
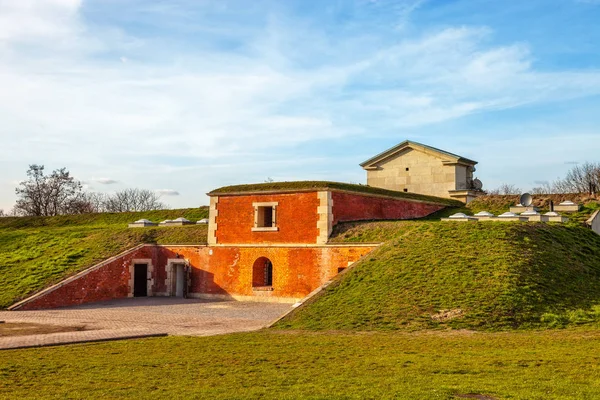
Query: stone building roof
[418,146]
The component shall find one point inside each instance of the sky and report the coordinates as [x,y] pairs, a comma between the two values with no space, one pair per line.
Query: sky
[184,96]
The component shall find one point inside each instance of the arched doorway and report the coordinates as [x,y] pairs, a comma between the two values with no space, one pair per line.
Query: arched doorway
[262,273]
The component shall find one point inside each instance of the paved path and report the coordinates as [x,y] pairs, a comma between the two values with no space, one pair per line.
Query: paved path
[139,317]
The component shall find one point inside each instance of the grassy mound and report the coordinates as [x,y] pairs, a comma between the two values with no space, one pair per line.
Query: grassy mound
[38,251]
[461,275]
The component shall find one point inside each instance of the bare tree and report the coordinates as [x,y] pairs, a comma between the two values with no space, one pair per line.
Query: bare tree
[584,178]
[2,213]
[544,188]
[46,195]
[505,189]
[95,202]
[133,200]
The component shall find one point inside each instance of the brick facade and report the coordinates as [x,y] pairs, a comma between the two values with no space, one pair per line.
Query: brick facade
[356,207]
[264,246]
[224,272]
[296,219]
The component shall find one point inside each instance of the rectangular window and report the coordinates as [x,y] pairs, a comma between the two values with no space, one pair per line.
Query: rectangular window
[265,217]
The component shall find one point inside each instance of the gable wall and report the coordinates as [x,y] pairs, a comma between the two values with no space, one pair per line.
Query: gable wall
[426,174]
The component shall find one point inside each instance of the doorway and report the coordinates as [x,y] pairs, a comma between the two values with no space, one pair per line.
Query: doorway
[262,273]
[179,280]
[140,280]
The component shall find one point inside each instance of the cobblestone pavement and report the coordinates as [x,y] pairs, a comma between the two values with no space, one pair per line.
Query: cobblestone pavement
[138,317]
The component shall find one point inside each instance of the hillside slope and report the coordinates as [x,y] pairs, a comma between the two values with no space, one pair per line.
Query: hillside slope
[461,275]
[38,251]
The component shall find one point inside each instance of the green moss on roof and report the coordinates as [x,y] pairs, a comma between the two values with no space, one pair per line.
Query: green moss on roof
[325,185]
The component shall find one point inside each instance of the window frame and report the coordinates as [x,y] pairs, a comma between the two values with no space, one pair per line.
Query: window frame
[273,205]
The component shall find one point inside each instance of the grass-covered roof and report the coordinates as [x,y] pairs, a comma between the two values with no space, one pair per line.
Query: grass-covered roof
[302,186]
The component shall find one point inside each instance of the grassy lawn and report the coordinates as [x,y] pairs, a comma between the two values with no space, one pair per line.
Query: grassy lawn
[36,252]
[560,364]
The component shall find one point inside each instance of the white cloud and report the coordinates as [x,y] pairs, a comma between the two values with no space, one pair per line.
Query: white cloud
[167,192]
[47,20]
[85,95]
[106,181]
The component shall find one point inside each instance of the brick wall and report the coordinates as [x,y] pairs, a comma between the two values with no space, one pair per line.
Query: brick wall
[296,219]
[222,270]
[109,281]
[356,207]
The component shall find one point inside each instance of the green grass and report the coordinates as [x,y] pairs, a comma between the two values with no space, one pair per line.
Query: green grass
[324,185]
[438,275]
[299,365]
[36,252]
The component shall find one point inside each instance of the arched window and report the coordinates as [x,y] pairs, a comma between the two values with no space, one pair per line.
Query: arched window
[262,273]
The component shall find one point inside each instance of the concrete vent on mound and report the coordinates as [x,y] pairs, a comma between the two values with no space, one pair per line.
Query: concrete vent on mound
[484,216]
[459,217]
[140,223]
[567,206]
[176,222]
[553,216]
[203,221]
[511,216]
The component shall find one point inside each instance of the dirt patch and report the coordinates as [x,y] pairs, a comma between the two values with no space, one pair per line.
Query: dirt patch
[24,329]
[446,315]
[475,396]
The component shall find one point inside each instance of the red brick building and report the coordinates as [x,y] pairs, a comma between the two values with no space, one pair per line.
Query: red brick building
[265,242]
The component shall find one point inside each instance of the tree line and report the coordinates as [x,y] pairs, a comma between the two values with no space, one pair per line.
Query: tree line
[59,193]
[583,178]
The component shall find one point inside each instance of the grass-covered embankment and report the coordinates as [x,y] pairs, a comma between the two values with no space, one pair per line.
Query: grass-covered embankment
[490,275]
[38,251]
[299,365]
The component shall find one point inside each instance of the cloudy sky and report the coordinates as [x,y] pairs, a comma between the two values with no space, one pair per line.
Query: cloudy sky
[183,96]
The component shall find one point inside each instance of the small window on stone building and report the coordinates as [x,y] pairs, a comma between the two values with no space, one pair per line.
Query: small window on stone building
[405,189]
[407,168]
[265,217]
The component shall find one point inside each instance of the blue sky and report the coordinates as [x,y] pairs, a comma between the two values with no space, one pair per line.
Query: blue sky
[185,96]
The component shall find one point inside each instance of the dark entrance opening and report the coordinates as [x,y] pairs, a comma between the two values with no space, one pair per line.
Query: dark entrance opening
[262,273]
[140,280]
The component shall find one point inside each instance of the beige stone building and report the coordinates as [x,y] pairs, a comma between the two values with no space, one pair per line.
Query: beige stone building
[418,168]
